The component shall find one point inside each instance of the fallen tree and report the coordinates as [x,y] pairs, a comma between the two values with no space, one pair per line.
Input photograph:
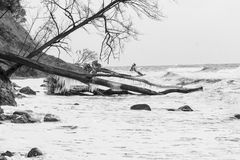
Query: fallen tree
[88,78]
[112,19]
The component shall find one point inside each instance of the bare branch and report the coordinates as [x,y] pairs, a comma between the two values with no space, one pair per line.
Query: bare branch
[111,18]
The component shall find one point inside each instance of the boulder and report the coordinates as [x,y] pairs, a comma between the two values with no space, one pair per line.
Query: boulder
[171,109]
[237,116]
[4,117]
[27,90]
[185,108]
[34,152]
[50,118]
[76,104]
[6,90]
[7,153]
[141,107]
[1,111]
[20,119]
[22,113]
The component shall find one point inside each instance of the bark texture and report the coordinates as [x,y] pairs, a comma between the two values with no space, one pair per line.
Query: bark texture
[6,90]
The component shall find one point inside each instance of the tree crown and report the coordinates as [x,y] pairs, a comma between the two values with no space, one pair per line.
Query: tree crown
[15,7]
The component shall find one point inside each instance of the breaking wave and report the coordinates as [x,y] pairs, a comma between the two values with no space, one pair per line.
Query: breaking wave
[187,81]
[170,75]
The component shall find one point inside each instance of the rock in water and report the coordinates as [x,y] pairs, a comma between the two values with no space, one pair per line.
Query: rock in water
[237,116]
[20,119]
[141,107]
[43,85]
[50,118]
[27,90]
[1,111]
[185,108]
[22,113]
[34,152]
[171,109]
[7,153]
[4,117]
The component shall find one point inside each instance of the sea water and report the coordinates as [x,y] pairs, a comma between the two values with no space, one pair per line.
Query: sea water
[105,128]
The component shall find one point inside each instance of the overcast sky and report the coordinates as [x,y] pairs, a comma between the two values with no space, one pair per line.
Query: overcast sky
[193,32]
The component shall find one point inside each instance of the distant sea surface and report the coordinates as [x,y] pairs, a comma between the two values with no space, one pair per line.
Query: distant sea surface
[105,128]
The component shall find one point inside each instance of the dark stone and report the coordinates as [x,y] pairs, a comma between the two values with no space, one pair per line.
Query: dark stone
[1,110]
[8,117]
[185,108]
[76,104]
[34,152]
[171,109]
[43,85]
[141,107]
[50,118]
[237,116]
[7,153]
[20,119]
[4,117]
[27,90]
[22,113]
[6,90]
[69,127]
[3,158]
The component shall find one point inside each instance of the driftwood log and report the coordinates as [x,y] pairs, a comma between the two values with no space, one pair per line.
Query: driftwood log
[88,78]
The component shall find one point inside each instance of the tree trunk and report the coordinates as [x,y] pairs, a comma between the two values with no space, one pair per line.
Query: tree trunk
[85,78]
